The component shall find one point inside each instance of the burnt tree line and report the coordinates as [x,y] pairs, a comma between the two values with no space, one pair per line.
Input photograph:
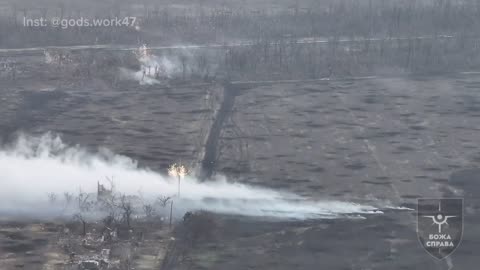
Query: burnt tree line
[288,59]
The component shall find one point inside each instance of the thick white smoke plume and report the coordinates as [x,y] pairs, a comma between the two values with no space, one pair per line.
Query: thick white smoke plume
[34,167]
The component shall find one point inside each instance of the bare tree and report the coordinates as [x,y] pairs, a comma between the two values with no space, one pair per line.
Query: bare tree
[110,203]
[83,206]
[52,197]
[163,200]
[82,200]
[80,217]
[127,208]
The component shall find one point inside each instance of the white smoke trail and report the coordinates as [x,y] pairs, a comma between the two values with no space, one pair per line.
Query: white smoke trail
[32,167]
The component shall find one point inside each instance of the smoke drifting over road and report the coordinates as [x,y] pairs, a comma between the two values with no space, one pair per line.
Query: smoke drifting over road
[33,167]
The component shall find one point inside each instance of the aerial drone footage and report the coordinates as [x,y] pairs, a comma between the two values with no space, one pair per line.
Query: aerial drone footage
[239,134]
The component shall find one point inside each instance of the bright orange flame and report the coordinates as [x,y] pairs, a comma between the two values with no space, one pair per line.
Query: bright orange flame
[177,170]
